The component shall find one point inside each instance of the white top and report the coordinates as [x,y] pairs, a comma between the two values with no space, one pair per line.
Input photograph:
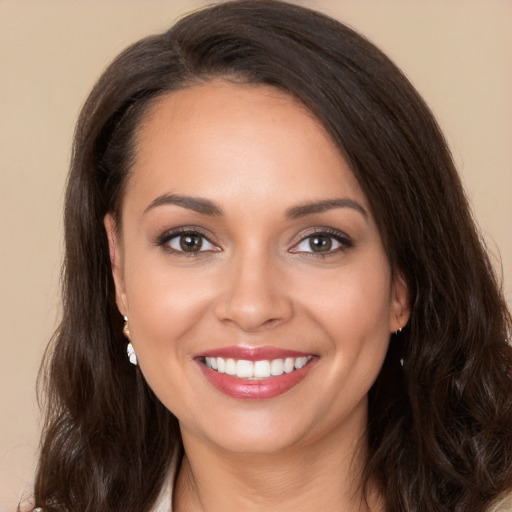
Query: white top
[164,501]
[503,505]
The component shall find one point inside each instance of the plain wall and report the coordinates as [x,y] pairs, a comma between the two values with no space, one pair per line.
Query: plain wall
[457,53]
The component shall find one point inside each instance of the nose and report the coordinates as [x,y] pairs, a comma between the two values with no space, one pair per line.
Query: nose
[254,296]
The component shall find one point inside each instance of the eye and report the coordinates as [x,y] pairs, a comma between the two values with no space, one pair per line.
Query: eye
[187,242]
[322,242]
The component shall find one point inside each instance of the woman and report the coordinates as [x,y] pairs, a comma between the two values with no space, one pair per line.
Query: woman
[264,219]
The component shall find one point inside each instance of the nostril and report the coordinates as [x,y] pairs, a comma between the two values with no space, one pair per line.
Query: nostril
[270,322]
[252,323]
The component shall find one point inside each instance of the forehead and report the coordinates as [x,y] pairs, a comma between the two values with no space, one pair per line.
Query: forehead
[221,139]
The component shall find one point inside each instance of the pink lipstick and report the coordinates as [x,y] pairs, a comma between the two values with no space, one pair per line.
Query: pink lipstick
[254,372]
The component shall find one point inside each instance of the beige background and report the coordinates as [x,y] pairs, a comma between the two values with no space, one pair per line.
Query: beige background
[458,53]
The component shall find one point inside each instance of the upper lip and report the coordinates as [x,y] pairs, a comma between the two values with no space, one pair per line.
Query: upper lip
[248,353]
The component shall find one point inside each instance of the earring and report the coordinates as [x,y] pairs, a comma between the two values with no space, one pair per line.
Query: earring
[126,330]
[398,331]
[132,356]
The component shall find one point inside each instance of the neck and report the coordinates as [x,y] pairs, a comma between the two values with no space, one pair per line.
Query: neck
[324,475]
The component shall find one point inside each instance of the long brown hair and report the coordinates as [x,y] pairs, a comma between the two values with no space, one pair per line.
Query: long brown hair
[439,432]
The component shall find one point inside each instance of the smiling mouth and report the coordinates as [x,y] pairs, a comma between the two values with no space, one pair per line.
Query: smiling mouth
[256,370]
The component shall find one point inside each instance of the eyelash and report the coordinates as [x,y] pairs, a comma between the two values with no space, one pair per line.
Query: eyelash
[164,239]
[341,238]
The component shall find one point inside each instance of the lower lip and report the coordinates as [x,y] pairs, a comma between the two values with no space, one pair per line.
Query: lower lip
[255,389]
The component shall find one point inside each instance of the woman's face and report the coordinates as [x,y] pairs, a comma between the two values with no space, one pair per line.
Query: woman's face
[247,245]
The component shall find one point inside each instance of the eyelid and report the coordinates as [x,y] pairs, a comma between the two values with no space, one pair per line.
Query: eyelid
[342,238]
[164,239]
[345,242]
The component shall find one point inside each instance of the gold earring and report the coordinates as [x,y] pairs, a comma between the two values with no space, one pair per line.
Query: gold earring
[126,330]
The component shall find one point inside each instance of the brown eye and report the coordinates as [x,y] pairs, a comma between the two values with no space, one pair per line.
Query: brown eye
[191,243]
[188,242]
[323,243]
[320,243]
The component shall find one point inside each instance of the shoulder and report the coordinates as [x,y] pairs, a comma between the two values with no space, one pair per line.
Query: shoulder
[164,500]
[504,504]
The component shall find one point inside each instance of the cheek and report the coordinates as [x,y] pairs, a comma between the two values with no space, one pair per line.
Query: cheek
[165,312]
[357,325]
[350,303]
[353,310]
[165,304]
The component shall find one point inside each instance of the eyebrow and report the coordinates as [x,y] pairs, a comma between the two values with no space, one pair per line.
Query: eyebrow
[207,207]
[197,204]
[321,206]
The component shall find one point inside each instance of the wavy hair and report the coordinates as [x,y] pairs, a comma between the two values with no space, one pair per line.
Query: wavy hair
[439,432]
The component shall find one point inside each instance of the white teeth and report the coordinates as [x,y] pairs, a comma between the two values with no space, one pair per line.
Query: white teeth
[300,362]
[230,367]
[289,365]
[221,365]
[276,367]
[244,369]
[261,369]
[256,369]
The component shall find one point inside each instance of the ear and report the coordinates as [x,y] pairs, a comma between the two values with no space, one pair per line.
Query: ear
[400,306]
[116,262]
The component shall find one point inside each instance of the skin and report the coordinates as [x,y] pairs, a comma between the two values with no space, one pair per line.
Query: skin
[256,154]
